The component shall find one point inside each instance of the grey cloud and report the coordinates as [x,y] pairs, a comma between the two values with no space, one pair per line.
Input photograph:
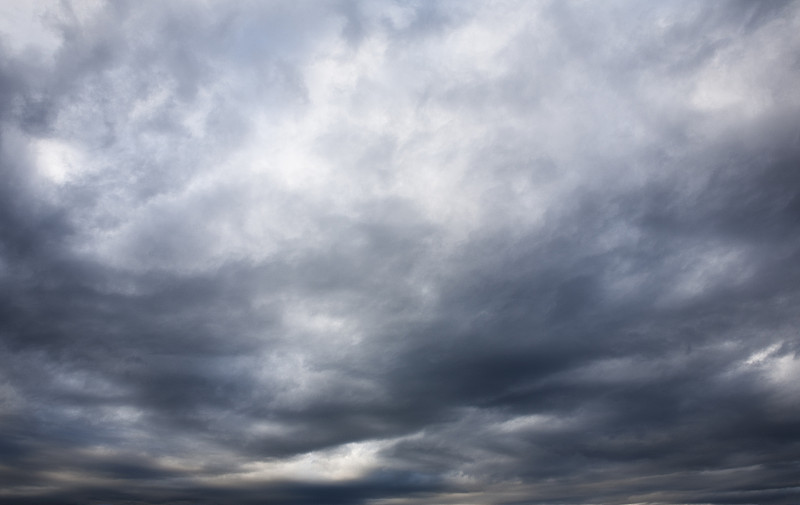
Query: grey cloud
[398,252]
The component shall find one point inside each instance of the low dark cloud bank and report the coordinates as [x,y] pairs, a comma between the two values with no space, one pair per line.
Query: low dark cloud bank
[395,252]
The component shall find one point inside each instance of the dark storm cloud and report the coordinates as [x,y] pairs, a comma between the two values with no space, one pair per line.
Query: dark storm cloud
[395,252]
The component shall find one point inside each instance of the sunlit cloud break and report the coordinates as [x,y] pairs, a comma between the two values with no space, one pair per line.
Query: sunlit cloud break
[399,252]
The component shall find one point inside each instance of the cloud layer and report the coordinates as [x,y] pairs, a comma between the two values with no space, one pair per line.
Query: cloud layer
[400,253]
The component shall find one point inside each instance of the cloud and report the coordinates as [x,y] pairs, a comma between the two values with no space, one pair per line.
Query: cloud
[399,252]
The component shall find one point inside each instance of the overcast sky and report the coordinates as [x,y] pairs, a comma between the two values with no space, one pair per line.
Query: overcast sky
[399,252]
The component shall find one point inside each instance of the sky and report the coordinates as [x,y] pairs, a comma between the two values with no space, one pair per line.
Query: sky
[398,252]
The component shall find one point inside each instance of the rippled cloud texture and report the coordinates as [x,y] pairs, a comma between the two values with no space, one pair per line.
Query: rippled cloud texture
[398,252]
